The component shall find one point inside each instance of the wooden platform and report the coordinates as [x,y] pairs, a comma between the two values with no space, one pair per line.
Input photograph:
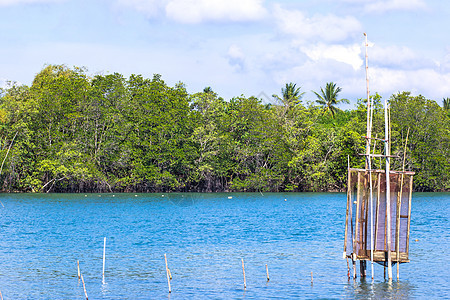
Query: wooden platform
[381,256]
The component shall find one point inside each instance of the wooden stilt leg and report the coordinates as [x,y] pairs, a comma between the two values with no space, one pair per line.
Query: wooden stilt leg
[362,268]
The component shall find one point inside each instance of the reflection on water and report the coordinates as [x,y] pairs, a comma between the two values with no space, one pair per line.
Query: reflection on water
[366,289]
[205,236]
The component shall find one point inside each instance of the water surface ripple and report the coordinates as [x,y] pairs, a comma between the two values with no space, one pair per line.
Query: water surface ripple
[205,236]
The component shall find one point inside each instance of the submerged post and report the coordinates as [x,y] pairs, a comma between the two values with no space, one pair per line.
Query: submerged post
[267,273]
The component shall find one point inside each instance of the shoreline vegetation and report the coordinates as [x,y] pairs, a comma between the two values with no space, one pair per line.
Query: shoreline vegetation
[71,132]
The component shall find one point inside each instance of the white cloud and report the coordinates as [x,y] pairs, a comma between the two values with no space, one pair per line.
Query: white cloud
[15,2]
[444,65]
[398,57]
[325,28]
[350,55]
[197,11]
[236,57]
[428,82]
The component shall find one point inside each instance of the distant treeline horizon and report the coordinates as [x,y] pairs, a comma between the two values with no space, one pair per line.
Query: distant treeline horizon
[70,132]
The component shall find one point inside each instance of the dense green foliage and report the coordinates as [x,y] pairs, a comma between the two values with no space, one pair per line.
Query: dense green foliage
[69,132]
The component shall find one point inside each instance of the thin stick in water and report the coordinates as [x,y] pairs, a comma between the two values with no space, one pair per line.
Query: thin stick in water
[267,272]
[312,277]
[84,287]
[167,273]
[78,264]
[1,296]
[104,258]
[243,272]
[348,270]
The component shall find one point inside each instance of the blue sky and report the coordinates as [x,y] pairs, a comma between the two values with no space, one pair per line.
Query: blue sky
[249,47]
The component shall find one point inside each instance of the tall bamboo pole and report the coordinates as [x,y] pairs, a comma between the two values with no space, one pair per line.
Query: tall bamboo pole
[368,157]
[371,216]
[388,188]
[356,239]
[397,225]
[349,204]
[399,206]
[369,131]
[409,214]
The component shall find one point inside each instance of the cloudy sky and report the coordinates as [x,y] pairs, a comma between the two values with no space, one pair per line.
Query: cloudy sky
[249,47]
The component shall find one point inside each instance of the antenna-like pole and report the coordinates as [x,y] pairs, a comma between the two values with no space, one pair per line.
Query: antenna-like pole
[368,157]
[369,122]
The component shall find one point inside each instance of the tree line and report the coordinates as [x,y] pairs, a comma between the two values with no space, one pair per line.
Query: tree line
[70,132]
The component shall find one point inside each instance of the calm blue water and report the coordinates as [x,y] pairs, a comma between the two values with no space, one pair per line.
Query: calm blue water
[205,236]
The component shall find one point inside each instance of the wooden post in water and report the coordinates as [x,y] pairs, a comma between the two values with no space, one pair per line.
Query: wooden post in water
[78,264]
[267,273]
[349,204]
[357,221]
[104,258]
[388,188]
[167,273]
[1,296]
[399,207]
[350,213]
[409,214]
[84,287]
[348,270]
[312,277]
[371,216]
[368,162]
[377,209]
[243,272]
[397,226]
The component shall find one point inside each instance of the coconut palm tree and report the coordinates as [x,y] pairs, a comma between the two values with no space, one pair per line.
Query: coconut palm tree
[291,95]
[446,103]
[328,98]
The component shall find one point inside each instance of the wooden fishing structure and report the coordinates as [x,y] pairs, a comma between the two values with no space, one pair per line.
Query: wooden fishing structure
[377,222]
